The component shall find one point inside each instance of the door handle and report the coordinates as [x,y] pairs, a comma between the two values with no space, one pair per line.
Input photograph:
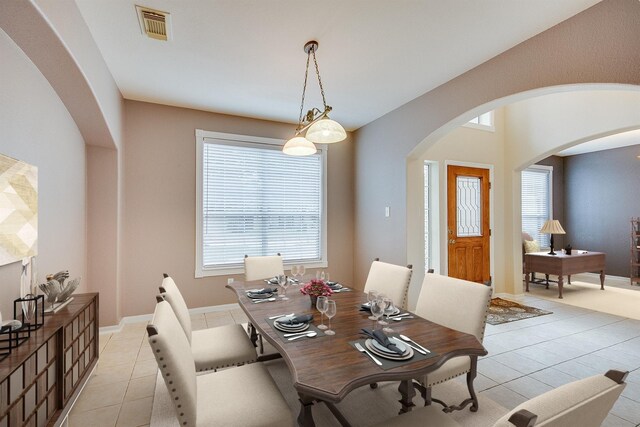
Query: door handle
[452,241]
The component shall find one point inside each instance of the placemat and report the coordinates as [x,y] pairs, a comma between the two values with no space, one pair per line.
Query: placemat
[312,327]
[390,364]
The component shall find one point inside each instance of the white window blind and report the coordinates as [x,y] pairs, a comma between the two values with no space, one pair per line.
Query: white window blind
[258,201]
[536,202]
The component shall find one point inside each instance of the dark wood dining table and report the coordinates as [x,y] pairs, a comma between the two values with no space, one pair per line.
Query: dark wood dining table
[328,368]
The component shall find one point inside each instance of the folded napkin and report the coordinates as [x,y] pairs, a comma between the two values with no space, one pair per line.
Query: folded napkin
[296,318]
[383,340]
[263,291]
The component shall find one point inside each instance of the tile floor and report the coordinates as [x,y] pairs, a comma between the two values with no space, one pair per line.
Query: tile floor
[120,391]
[529,357]
[526,358]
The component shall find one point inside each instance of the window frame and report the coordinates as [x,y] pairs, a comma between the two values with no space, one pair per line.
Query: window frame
[548,169]
[479,126]
[203,136]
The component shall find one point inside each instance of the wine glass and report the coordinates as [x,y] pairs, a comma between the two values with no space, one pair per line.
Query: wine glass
[331,311]
[382,300]
[283,281]
[389,309]
[301,271]
[377,309]
[321,305]
[322,276]
[372,296]
[294,271]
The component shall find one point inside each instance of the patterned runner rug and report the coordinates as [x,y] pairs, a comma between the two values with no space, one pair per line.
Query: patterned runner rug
[504,311]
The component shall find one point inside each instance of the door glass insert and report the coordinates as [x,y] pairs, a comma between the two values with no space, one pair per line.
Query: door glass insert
[468,207]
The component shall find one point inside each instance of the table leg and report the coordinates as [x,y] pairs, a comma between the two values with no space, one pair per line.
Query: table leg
[602,280]
[407,391]
[526,280]
[568,279]
[560,283]
[305,417]
[547,277]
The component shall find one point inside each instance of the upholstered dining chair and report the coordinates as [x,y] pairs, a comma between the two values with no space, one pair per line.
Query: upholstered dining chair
[583,403]
[461,305]
[212,348]
[257,268]
[262,267]
[390,279]
[243,396]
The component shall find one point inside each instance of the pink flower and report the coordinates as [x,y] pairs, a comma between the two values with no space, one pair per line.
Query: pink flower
[316,288]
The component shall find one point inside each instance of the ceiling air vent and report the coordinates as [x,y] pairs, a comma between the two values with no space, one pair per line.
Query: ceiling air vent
[154,23]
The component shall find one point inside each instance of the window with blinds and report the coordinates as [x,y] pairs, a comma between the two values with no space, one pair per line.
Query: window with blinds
[255,200]
[536,201]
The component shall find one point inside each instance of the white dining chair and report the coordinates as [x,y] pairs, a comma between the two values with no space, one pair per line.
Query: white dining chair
[245,396]
[212,348]
[584,403]
[258,268]
[390,279]
[262,267]
[461,305]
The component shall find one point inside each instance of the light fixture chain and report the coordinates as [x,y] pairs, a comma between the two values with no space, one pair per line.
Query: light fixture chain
[324,101]
[304,90]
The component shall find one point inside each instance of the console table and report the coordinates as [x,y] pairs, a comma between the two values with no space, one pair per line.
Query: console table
[562,264]
[40,378]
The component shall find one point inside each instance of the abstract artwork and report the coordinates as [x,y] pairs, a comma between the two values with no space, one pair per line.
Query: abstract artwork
[18,210]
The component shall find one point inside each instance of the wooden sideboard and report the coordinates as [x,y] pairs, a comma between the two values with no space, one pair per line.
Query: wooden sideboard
[40,378]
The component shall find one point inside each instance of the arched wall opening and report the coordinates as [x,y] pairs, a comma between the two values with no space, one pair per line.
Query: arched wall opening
[529,126]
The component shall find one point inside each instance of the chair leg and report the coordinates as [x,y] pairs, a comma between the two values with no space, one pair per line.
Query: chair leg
[471,375]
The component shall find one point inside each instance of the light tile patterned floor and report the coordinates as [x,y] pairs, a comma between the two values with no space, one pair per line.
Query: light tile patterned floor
[526,358]
[529,357]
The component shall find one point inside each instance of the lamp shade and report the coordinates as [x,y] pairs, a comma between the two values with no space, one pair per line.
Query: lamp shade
[326,131]
[299,146]
[552,227]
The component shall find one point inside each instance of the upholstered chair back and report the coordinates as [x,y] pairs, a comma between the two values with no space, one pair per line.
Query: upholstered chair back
[175,360]
[583,403]
[390,279]
[455,303]
[262,267]
[171,293]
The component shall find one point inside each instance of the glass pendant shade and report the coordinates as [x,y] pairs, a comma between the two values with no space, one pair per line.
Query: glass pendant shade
[299,146]
[326,131]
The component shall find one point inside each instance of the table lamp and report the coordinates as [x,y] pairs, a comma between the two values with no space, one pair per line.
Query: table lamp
[552,227]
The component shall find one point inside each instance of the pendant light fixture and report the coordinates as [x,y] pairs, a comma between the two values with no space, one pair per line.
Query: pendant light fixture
[317,124]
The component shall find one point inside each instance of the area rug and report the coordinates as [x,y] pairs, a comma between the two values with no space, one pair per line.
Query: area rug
[362,407]
[505,311]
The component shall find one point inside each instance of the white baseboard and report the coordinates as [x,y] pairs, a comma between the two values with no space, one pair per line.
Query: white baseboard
[146,317]
[596,276]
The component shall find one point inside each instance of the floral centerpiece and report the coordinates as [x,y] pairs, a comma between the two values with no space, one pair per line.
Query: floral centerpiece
[316,288]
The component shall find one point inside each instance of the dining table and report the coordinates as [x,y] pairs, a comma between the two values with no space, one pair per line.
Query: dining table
[328,367]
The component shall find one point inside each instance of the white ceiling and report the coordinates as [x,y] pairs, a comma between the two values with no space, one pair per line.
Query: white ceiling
[245,57]
[618,140]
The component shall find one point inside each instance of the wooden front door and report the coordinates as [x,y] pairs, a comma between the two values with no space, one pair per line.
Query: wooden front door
[468,223]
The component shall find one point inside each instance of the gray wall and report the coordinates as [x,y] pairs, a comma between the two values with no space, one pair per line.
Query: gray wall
[599,45]
[602,194]
[557,163]
[35,127]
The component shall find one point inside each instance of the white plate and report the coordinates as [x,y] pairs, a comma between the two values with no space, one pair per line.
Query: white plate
[260,296]
[401,346]
[367,305]
[298,328]
[385,355]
